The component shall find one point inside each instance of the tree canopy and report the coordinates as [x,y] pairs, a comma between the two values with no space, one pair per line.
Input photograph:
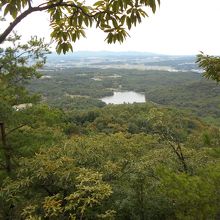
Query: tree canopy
[140,161]
[70,18]
[211,65]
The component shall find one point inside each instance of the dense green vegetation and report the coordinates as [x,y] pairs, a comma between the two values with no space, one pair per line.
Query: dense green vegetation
[86,160]
[186,90]
[119,162]
[70,156]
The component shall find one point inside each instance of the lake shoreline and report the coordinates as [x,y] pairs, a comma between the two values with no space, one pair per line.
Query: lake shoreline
[121,97]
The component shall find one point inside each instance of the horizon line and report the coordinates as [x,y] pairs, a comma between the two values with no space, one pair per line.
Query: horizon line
[128,51]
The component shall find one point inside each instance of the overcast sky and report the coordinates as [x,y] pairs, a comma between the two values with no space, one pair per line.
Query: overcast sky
[178,27]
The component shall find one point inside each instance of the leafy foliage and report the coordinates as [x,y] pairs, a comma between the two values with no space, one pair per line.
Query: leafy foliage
[138,179]
[70,87]
[18,64]
[69,19]
[59,188]
[23,122]
[117,162]
[211,66]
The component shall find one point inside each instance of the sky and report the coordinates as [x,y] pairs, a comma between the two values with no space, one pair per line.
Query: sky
[179,27]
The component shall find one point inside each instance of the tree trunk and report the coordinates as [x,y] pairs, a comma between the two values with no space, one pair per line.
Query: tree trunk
[6,149]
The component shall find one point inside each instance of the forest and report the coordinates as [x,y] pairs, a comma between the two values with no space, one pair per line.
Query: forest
[67,155]
[189,91]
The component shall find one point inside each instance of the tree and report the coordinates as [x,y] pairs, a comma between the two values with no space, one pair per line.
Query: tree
[60,189]
[211,65]
[18,64]
[70,18]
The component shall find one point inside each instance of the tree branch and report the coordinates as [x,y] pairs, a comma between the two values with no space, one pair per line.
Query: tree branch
[29,4]
[6,149]
[12,25]
[47,190]
[14,129]
[42,7]
[178,151]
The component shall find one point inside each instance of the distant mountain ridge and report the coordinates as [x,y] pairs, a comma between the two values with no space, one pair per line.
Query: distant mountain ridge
[104,54]
[123,60]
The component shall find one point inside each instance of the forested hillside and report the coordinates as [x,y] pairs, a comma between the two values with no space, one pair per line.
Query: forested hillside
[68,87]
[65,154]
[131,161]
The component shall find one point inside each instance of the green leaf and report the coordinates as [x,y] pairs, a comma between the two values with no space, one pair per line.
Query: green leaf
[152,4]
[128,22]
[73,37]
[82,32]
[98,3]
[123,18]
[7,9]
[115,6]
[115,23]
[86,21]
[80,19]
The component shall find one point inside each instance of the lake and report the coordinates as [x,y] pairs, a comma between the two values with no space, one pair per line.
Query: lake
[124,97]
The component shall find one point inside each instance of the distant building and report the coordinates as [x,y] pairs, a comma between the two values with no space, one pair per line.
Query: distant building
[22,106]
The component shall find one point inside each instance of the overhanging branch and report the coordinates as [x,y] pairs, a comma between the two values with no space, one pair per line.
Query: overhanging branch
[30,10]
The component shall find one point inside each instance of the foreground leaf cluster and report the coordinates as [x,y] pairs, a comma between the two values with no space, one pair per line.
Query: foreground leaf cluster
[70,19]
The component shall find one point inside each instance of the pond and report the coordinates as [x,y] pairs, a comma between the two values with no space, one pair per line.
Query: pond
[124,97]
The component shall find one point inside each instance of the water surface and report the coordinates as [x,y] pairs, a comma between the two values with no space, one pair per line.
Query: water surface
[124,97]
